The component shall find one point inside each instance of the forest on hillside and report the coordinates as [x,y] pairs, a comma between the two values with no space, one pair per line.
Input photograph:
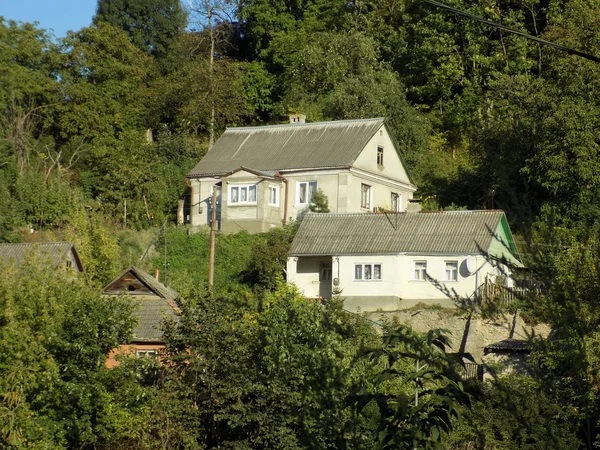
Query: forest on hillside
[98,130]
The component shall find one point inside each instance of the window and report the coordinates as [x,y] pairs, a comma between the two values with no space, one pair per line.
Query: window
[420,270]
[274,195]
[365,196]
[396,202]
[69,264]
[380,155]
[146,353]
[451,271]
[305,192]
[242,194]
[367,271]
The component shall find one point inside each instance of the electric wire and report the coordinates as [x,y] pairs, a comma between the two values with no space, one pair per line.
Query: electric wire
[510,30]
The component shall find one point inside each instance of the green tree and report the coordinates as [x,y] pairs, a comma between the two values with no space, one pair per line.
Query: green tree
[56,334]
[155,26]
[319,202]
[417,389]
[267,372]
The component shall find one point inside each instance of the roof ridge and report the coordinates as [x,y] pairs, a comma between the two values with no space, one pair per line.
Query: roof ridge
[307,124]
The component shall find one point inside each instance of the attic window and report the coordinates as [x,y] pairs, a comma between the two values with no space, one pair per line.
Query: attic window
[380,155]
[131,288]
[69,264]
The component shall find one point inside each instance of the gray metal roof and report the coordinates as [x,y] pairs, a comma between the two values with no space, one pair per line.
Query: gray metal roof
[55,252]
[423,232]
[150,314]
[288,147]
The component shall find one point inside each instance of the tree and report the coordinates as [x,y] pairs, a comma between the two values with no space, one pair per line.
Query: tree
[56,334]
[319,202]
[155,26]
[417,389]
[266,372]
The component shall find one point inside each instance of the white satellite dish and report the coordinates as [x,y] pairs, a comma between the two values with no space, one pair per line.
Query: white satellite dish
[471,265]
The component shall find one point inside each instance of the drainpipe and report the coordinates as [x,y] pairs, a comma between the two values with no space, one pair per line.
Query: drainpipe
[285,200]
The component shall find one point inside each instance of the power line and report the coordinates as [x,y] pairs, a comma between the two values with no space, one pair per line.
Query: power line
[510,30]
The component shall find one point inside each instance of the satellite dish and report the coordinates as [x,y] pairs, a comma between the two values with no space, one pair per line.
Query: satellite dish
[471,265]
[468,267]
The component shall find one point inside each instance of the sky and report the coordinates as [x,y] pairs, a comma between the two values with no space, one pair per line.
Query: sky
[60,15]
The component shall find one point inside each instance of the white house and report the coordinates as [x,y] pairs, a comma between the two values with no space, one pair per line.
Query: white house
[265,176]
[393,261]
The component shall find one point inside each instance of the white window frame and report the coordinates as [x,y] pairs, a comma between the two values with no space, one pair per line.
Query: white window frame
[273,189]
[240,188]
[380,155]
[363,271]
[365,202]
[146,353]
[419,273]
[450,270]
[309,195]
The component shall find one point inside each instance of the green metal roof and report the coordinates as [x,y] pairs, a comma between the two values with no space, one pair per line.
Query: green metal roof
[294,146]
[450,232]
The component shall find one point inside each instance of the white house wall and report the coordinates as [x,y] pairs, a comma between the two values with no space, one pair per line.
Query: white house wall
[392,167]
[397,289]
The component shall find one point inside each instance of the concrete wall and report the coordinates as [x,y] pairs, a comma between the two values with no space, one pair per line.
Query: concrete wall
[476,333]
[397,287]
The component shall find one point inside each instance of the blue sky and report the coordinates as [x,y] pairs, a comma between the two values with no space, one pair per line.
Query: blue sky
[60,15]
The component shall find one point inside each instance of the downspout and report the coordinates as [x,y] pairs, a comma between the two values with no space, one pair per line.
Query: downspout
[285,200]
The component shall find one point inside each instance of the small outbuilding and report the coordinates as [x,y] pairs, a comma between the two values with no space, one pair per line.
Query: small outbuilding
[154,301]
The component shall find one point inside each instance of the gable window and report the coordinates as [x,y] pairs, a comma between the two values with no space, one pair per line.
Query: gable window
[380,155]
[367,272]
[242,194]
[420,270]
[305,191]
[365,196]
[274,195]
[396,202]
[451,270]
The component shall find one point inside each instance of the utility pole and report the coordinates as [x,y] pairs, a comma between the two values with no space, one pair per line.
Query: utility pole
[211,251]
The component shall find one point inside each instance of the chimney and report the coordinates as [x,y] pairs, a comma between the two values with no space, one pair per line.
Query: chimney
[413,206]
[157,274]
[297,118]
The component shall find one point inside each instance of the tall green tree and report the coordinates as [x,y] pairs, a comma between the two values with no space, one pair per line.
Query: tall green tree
[155,26]
[56,334]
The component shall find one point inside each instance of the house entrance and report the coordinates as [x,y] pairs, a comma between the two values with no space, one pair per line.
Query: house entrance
[325,280]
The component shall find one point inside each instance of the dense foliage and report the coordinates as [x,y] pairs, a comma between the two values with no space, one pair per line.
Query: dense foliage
[99,128]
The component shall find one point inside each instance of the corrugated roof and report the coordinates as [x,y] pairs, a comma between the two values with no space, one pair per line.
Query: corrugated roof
[287,147]
[424,232]
[150,314]
[55,252]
